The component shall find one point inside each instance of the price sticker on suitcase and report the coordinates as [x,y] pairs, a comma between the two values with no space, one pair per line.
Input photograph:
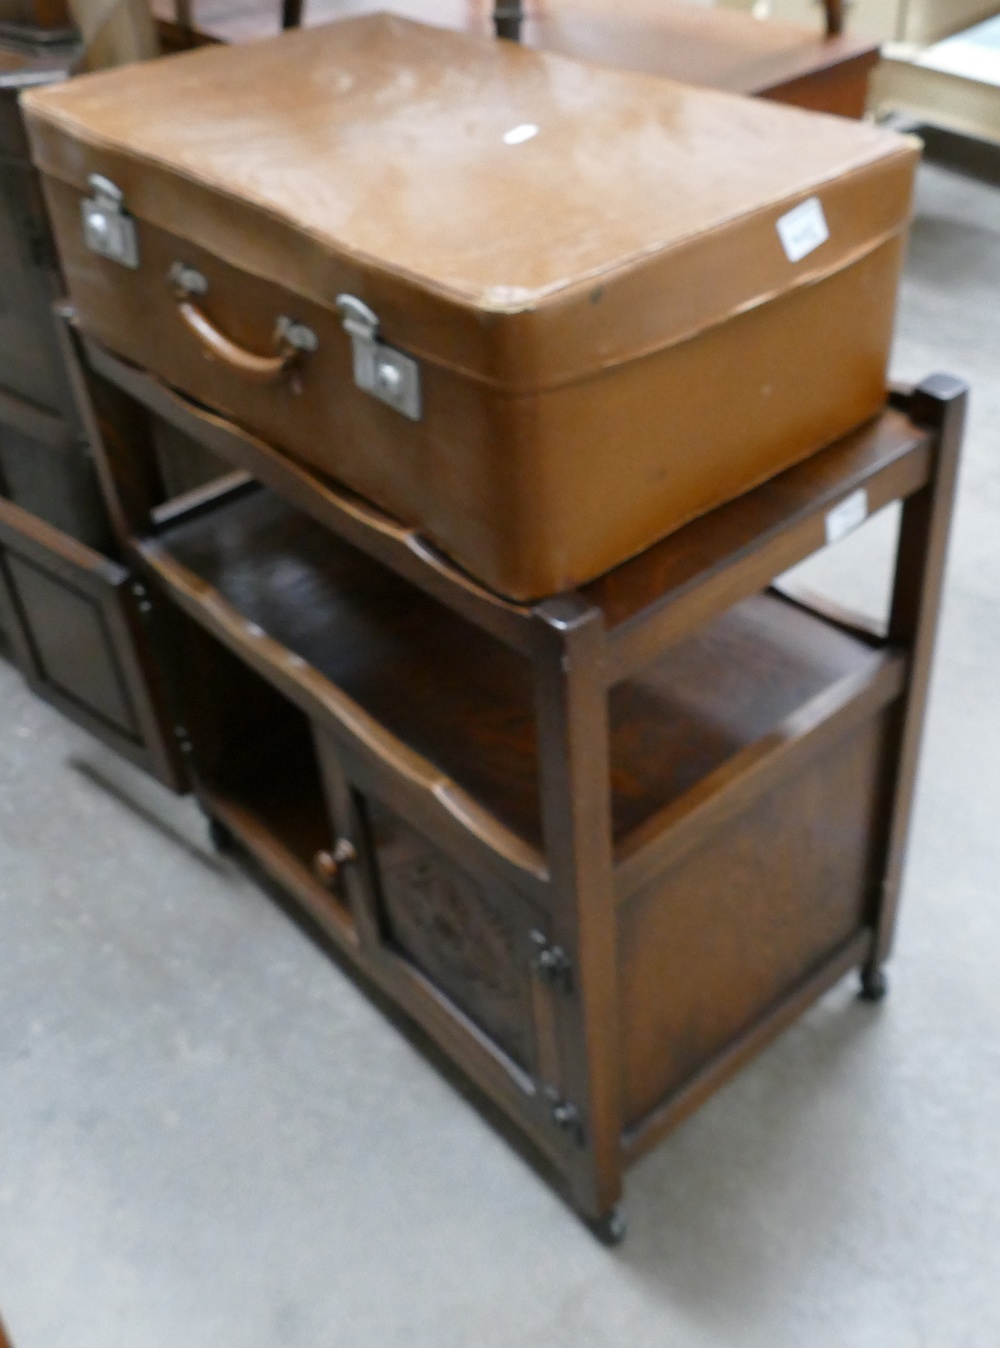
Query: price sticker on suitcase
[803,229]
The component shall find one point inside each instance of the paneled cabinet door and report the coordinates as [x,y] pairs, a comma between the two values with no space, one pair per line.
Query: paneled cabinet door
[77,633]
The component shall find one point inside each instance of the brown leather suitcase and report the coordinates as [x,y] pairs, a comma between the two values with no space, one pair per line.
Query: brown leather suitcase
[547,312]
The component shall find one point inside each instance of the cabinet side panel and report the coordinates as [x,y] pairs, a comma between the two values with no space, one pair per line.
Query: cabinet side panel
[710,946]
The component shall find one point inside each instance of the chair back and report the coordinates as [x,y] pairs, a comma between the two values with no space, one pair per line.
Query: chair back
[834,17]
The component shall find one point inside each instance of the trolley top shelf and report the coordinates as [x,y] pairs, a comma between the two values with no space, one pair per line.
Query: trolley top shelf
[647,603]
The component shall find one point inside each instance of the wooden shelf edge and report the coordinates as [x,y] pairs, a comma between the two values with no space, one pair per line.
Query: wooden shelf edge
[34,537]
[739,548]
[801,737]
[641,1136]
[189,505]
[318,697]
[400,548]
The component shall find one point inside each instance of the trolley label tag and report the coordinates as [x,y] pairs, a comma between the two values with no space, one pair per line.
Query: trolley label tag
[803,229]
[843,519]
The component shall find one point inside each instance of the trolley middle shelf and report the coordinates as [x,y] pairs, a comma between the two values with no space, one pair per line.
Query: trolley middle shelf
[388,666]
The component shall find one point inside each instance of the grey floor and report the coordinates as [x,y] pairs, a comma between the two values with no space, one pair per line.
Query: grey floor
[209,1138]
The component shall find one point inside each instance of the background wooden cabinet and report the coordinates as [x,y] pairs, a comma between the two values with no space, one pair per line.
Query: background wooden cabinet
[73,617]
[918,21]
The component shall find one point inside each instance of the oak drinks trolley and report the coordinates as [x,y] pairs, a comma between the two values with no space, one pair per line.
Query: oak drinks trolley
[603,847]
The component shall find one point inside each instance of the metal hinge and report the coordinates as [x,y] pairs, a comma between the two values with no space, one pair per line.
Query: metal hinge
[551,963]
[565,1115]
[379,369]
[143,602]
[108,229]
[183,740]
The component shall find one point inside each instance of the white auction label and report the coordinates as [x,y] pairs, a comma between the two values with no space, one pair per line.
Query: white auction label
[803,229]
[843,519]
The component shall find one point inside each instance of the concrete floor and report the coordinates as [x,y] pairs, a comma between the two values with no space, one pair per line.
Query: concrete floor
[209,1138]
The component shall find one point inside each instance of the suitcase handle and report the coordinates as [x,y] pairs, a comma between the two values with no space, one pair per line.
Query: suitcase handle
[291,338]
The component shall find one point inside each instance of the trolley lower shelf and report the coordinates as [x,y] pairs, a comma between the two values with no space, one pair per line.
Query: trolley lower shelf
[745,770]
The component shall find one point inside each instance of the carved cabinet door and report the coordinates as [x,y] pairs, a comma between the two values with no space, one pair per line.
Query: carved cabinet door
[469,938]
[469,935]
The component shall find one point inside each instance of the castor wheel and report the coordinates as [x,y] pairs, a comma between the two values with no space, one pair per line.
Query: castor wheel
[221,835]
[874,985]
[611,1229]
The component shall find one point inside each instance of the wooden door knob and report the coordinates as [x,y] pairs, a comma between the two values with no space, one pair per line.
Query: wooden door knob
[328,866]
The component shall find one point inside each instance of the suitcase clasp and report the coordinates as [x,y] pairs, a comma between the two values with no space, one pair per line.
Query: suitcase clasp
[108,229]
[379,369]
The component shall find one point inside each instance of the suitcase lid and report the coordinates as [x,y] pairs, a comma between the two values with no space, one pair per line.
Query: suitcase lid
[522,217]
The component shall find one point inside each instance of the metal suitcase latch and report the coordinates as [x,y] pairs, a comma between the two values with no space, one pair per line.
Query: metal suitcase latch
[108,229]
[379,369]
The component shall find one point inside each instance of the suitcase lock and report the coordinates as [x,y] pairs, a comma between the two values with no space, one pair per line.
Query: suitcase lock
[108,229]
[379,369]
